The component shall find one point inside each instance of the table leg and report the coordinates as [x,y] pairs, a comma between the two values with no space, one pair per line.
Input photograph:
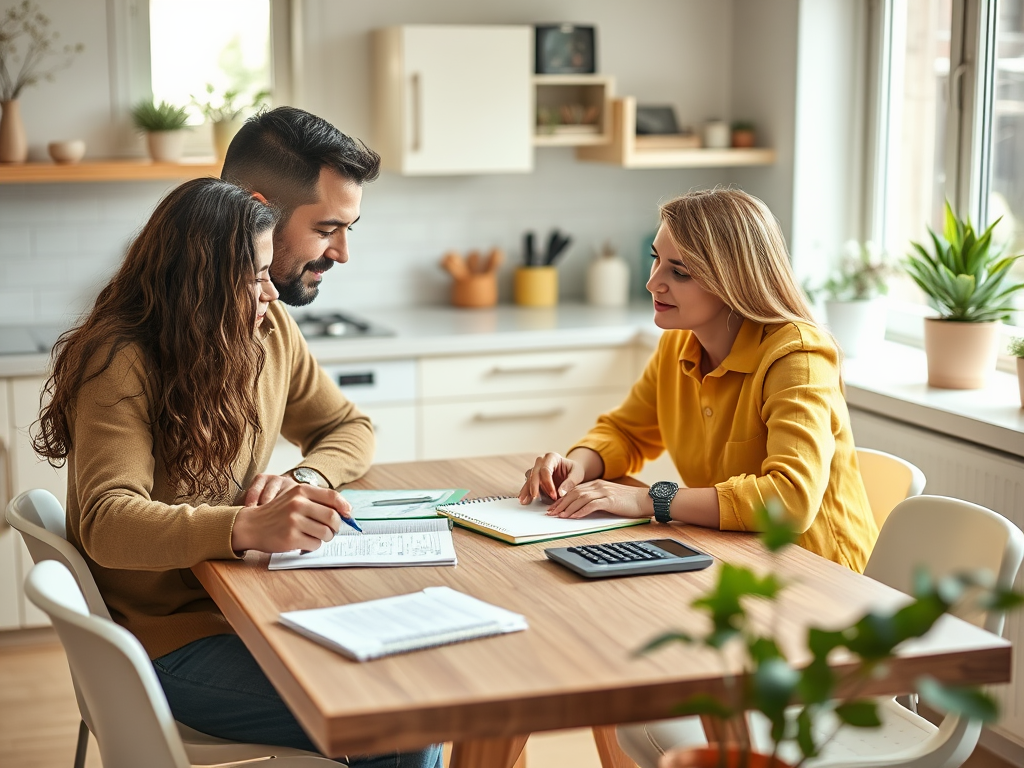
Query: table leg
[609,750]
[488,753]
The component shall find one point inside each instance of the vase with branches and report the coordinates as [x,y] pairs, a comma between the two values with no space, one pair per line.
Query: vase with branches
[30,52]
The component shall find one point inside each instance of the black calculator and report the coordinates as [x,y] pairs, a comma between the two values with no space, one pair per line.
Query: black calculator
[628,558]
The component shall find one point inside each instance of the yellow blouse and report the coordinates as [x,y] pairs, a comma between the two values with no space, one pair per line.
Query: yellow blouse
[770,421]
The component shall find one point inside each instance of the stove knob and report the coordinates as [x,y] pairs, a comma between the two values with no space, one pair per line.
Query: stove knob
[336,329]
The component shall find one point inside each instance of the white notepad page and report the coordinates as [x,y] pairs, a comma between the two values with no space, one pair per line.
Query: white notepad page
[435,616]
[382,543]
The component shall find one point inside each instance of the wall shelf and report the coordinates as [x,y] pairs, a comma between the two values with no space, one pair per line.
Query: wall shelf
[107,170]
[556,95]
[628,150]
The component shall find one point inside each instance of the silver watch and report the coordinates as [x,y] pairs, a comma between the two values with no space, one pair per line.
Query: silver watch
[308,476]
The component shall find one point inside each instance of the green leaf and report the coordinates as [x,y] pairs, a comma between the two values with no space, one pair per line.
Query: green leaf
[968,702]
[777,529]
[761,649]
[873,637]
[859,714]
[772,685]
[665,639]
[1002,600]
[817,682]
[805,734]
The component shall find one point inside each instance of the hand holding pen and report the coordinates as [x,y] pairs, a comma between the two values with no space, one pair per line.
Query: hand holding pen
[302,517]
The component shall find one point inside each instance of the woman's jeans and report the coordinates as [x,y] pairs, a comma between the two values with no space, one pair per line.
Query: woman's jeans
[214,685]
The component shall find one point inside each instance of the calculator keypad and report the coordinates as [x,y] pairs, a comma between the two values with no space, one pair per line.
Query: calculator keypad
[618,553]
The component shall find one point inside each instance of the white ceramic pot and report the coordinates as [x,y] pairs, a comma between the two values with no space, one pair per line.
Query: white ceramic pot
[166,146]
[66,152]
[608,282]
[716,135]
[223,132]
[960,355]
[857,326]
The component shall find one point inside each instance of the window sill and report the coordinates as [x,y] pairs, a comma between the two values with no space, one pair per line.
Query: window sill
[893,382]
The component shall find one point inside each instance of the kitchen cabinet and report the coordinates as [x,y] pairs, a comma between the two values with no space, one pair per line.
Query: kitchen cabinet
[572,110]
[453,99]
[10,540]
[479,405]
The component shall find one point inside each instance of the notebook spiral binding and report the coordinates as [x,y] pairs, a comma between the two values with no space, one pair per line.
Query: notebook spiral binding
[469,519]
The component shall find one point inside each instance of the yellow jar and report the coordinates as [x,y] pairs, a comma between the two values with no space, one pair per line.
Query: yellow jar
[536,286]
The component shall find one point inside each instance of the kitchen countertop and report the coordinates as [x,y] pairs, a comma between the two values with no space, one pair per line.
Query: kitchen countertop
[892,382]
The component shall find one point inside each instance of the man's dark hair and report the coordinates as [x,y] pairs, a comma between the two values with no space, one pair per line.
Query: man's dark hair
[279,153]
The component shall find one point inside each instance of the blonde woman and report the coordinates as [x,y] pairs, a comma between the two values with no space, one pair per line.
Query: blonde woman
[744,392]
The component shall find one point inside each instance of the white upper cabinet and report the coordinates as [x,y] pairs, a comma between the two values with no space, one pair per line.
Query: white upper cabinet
[453,99]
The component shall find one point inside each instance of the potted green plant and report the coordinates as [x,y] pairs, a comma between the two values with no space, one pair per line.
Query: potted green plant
[743,135]
[164,125]
[23,64]
[796,702]
[854,296]
[964,276]
[226,113]
[1017,350]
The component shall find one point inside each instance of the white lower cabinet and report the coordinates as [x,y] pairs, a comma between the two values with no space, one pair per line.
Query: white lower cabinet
[10,541]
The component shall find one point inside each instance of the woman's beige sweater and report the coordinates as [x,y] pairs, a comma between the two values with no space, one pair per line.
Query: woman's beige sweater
[139,540]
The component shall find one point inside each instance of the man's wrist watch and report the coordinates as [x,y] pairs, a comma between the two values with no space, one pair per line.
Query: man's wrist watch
[308,476]
[662,493]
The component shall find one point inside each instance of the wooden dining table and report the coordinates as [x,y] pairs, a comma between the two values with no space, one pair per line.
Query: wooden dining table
[577,665]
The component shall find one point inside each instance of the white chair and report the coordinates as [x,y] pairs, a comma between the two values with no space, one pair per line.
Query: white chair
[40,519]
[888,480]
[945,536]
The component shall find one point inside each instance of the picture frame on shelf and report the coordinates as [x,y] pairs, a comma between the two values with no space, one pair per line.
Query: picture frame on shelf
[656,120]
[565,49]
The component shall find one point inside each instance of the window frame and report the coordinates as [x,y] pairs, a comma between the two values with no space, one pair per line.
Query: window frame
[131,75]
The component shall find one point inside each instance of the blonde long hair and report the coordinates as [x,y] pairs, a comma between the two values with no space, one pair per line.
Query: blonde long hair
[734,249]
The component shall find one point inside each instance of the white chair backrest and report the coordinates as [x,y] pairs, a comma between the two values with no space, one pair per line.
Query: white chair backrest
[888,480]
[40,519]
[947,536]
[131,719]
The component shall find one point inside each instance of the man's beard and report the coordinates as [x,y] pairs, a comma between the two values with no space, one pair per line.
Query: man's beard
[294,292]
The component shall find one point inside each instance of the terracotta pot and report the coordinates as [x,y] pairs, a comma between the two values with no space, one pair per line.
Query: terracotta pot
[476,290]
[960,355]
[856,325]
[742,139]
[1020,379]
[13,143]
[166,146]
[709,757]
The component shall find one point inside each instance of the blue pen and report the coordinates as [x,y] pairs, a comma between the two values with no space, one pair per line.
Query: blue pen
[351,521]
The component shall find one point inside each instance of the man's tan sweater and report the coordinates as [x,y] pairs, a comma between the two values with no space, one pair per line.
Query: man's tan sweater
[139,540]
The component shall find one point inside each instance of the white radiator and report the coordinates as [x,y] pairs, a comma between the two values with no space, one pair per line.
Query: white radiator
[965,471]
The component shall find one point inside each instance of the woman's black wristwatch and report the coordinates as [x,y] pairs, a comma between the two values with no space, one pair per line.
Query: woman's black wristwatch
[662,494]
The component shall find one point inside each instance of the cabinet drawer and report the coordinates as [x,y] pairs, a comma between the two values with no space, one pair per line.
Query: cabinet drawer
[379,381]
[513,425]
[515,374]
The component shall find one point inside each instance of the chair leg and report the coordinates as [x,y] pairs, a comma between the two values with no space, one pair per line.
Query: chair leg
[609,750]
[83,744]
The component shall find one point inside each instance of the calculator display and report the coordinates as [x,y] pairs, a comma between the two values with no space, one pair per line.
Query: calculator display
[673,547]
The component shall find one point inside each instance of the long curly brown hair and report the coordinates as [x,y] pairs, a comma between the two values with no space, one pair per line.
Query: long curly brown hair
[184,298]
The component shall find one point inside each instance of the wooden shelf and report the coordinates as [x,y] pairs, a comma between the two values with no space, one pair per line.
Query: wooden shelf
[582,92]
[628,150]
[107,170]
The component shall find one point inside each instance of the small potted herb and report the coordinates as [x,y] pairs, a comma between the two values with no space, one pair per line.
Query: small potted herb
[1017,350]
[854,296]
[226,113]
[164,125]
[964,275]
[743,135]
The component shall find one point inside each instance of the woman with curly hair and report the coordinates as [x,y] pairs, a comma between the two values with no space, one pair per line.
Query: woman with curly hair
[166,403]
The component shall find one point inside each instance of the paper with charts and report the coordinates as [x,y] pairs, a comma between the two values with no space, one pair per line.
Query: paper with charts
[382,543]
[391,505]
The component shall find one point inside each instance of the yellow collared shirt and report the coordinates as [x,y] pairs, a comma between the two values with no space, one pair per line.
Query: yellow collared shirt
[770,421]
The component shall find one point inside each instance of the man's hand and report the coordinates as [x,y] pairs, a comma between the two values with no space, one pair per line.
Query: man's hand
[301,517]
[266,488]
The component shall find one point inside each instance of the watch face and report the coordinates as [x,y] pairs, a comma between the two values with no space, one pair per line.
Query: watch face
[663,489]
[306,476]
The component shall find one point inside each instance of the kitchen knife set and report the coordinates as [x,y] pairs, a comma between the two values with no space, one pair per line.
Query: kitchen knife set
[556,245]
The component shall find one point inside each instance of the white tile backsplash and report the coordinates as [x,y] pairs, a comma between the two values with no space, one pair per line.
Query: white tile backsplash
[60,243]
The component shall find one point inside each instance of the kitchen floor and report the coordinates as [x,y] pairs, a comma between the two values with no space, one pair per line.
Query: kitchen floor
[39,716]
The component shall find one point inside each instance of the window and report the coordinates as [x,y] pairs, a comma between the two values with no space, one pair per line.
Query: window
[951,127]
[171,49]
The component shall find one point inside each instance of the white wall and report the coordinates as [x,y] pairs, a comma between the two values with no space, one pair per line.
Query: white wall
[727,58]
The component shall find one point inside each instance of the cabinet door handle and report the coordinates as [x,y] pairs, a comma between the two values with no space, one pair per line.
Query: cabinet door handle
[415,96]
[501,370]
[551,413]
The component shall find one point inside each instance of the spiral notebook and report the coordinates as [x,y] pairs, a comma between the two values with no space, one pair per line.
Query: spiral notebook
[435,616]
[504,518]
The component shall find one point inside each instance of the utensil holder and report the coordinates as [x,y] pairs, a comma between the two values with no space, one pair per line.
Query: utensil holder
[536,286]
[476,290]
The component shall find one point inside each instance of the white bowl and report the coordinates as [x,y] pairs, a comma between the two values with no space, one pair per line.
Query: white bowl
[67,151]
